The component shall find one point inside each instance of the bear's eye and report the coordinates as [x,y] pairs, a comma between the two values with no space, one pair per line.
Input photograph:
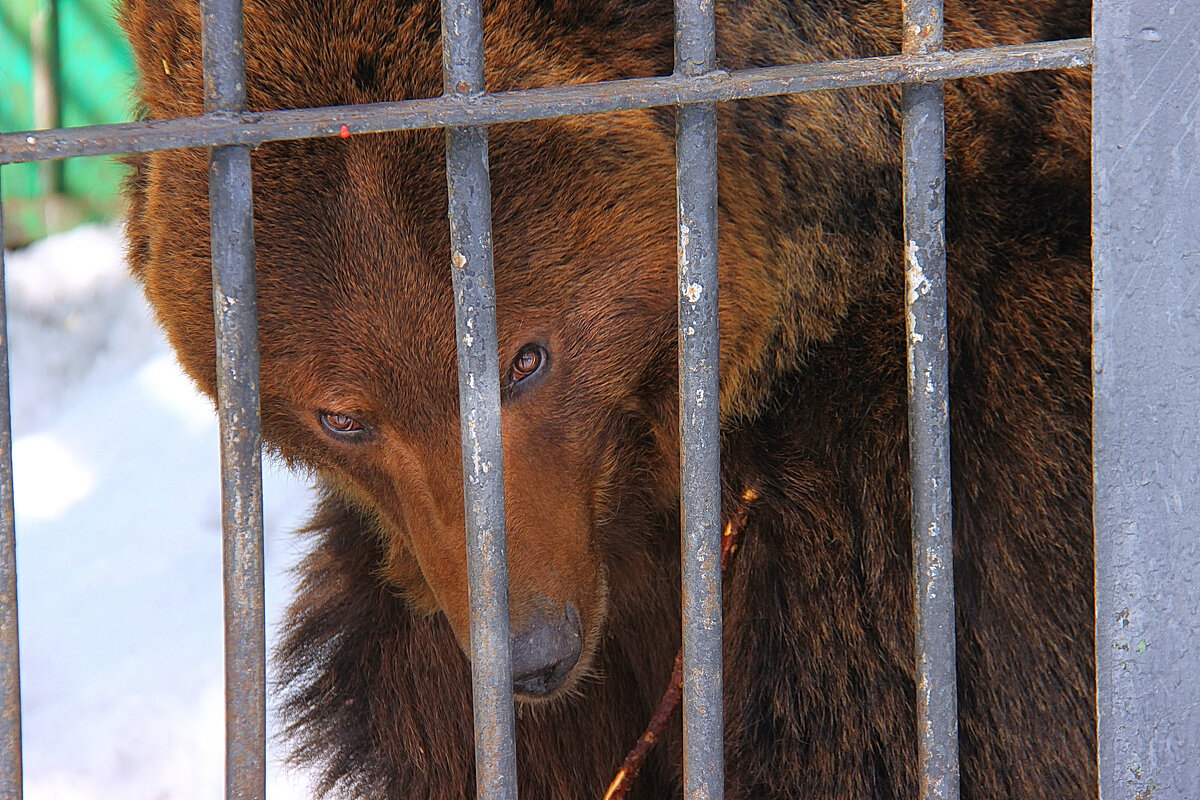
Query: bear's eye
[528,361]
[344,427]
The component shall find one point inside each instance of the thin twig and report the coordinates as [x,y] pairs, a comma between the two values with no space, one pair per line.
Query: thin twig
[670,699]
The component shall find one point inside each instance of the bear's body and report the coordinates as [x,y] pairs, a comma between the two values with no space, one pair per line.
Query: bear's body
[356,324]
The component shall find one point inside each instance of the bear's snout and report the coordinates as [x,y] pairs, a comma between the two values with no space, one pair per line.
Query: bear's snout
[545,650]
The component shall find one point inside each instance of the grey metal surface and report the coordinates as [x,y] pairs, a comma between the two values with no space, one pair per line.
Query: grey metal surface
[224,57]
[1146,373]
[699,411]
[470,207]
[237,363]
[10,669]
[597,98]
[241,472]
[924,146]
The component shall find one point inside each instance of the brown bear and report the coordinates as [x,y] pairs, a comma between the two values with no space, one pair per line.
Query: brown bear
[359,387]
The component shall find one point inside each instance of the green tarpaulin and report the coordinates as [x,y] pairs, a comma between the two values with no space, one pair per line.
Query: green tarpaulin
[85,80]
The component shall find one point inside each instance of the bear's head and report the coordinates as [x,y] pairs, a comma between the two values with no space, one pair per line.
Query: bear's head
[356,320]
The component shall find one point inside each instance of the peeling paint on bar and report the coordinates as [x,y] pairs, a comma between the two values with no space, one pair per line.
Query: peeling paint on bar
[470,212]
[923,124]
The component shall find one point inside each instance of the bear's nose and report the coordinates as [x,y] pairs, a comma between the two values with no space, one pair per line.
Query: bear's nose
[544,652]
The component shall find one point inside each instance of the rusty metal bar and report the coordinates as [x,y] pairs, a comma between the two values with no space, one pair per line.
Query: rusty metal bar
[596,98]
[699,411]
[231,210]
[470,209]
[10,669]
[924,145]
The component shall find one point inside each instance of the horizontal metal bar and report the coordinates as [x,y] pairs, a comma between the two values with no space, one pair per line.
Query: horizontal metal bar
[254,128]
[10,671]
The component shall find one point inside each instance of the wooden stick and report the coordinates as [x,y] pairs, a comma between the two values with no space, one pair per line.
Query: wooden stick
[671,697]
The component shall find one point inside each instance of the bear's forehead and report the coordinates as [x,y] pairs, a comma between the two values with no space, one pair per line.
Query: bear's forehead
[366,229]
[367,239]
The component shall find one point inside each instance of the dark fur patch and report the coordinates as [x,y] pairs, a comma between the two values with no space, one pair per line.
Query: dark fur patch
[364,73]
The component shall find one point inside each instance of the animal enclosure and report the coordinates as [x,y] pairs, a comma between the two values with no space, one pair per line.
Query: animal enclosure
[1145,370]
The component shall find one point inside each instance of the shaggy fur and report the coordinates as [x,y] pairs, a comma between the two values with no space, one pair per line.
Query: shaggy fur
[356,318]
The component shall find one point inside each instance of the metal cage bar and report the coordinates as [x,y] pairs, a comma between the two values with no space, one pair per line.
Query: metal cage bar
[924,145]
[699,411]
[470,210]
[1146,384]
[231,210]
[10,670]
[463,109]
[254,128]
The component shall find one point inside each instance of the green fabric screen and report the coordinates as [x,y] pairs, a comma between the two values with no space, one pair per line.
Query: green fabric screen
[92,77]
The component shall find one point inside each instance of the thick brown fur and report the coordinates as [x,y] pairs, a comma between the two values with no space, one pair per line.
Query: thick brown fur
[356,318]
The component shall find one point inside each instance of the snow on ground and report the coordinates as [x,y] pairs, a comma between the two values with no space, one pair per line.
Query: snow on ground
[118,539]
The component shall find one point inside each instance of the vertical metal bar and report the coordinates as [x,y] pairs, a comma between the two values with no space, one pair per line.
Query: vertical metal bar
[1146,389]
[235,312]
[924,142]
[10,662]
[699,411]
[47,95]
[470,209]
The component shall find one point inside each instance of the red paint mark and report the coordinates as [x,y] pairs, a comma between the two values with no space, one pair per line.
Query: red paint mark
[345,132]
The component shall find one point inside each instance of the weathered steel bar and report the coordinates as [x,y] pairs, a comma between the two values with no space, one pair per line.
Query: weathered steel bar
[44,52]
[241,471]
[470,208]
[10,670]
[1146,389]
[237,362]
[254,128]
[924,145]
[699,411]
